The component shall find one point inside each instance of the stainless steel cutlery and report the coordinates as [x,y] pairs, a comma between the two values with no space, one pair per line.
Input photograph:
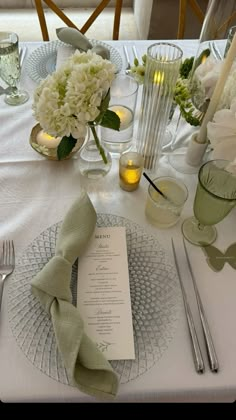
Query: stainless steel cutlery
[197,355]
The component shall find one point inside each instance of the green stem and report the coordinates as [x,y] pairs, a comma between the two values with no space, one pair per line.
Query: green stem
[100,148]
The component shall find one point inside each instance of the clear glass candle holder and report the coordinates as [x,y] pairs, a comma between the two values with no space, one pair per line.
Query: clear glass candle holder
[130,170]
[162,212]
[123,92]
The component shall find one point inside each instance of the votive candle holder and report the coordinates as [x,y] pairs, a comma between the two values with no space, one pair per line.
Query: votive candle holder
[130,170]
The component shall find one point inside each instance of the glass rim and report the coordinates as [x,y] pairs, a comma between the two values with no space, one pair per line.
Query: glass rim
[126,76]
[176,180]
[133,153]
[7,35]
[204,187]
[170,44]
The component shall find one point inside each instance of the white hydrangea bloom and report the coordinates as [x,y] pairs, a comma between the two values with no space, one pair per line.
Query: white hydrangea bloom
[69,98]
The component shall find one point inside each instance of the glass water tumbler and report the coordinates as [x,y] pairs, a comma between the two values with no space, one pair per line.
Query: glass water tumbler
[162,70]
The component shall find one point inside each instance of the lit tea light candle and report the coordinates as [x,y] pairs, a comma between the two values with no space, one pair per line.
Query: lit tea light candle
[44,139]
[125,115]
[158,77]
[130,170]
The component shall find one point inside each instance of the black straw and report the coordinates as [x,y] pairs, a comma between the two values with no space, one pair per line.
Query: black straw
[154,186]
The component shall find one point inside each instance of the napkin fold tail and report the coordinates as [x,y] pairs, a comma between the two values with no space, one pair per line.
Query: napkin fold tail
[87,367]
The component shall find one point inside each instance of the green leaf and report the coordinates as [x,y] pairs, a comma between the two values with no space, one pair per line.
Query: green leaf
[110,120]
[65,147]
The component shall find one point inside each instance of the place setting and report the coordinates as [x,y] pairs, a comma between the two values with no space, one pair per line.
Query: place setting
[48,57]
[155,300]
[117,267]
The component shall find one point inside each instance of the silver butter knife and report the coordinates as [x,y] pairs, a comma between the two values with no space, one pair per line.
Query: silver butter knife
[197,355]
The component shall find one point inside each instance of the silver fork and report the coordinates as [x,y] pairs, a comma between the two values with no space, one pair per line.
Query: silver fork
[135,51]
[22,54]
[127,70]
[7,263]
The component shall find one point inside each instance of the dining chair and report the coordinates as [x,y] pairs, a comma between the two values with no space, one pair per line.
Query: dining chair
[182,15]
[226,19]
[101,6]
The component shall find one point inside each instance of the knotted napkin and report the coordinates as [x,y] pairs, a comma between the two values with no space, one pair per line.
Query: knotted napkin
[76,39]
[87,367]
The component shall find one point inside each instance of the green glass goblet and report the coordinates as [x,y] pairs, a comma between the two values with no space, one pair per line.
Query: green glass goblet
[214,199]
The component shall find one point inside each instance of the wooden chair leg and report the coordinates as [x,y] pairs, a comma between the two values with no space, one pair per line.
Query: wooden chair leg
[182,18]
[116,27]
[42,21]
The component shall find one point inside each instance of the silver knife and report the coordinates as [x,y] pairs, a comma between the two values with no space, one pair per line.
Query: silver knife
[212,357]
[197,355]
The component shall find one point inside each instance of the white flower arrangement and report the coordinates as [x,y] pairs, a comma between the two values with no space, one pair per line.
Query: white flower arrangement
[221,133]
[75,96]
[206,76]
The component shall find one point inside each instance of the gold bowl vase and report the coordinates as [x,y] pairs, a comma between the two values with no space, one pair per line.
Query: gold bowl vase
[50,153]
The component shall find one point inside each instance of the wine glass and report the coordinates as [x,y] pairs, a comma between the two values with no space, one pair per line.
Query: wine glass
[10,68]
[214,199]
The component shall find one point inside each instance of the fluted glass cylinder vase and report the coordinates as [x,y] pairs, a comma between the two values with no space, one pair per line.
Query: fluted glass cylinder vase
[162,70]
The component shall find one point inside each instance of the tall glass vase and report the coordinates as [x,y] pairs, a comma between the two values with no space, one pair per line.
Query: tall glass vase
[162,70]
[219,18]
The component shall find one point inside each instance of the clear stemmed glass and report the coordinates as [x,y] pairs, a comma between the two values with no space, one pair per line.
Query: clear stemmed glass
[215,197]
[10,68]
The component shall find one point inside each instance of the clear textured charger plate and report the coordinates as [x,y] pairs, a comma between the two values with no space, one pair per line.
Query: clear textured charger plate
[155,299]
[42,61]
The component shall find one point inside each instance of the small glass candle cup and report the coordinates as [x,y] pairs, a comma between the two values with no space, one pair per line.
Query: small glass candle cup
[162,212]
[130,170]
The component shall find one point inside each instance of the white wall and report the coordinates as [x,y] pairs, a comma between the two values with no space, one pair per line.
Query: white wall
[142,14]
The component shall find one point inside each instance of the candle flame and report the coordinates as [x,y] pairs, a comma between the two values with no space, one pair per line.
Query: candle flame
[120,113]
[158,77]
[47,136]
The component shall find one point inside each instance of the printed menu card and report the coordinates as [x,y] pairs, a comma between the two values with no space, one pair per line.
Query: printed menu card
[103,294]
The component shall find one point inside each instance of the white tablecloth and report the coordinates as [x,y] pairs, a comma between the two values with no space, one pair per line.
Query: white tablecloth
[36,193]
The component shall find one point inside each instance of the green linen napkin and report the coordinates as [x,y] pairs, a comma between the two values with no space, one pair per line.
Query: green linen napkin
[86,365]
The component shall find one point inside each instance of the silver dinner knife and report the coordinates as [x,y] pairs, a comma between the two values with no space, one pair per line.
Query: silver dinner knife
[197,355]
[212,357]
